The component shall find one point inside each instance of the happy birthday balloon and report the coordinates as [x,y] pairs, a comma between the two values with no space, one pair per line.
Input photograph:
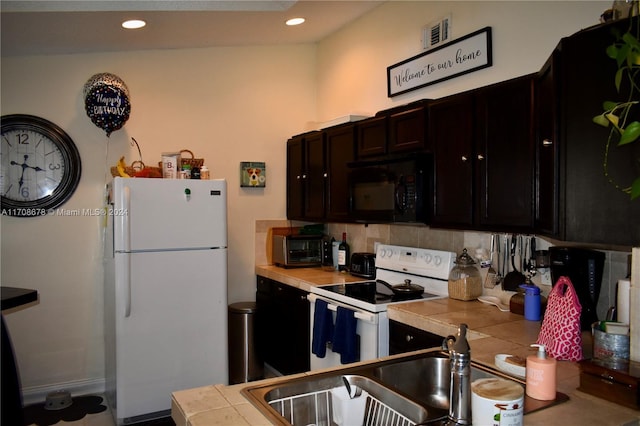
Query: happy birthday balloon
[106,101]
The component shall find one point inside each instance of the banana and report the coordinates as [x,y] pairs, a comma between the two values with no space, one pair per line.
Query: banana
[121,168]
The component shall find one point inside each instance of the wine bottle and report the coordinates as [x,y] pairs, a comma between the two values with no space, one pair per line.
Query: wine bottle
[343,254]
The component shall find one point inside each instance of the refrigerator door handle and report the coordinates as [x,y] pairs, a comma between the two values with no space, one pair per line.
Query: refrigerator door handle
[127,289]
[124,204]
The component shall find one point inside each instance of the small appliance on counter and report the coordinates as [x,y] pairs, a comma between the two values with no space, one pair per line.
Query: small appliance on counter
[584,267]
[297,251]
[363,265]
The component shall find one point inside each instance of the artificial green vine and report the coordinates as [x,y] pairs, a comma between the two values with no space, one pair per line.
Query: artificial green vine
[617,115]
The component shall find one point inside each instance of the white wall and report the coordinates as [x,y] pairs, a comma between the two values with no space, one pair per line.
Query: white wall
[352,64]
[227,105]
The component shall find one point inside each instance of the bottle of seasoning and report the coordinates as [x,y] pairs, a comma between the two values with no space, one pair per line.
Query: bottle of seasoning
[343,254]
[204,173]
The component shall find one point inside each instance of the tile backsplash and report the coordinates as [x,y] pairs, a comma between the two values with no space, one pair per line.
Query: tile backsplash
[362,238]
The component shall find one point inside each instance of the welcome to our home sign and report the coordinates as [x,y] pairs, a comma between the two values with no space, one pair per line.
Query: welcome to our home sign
[461,56]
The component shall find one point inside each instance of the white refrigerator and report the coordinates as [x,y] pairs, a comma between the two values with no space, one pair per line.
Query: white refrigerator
[165,292]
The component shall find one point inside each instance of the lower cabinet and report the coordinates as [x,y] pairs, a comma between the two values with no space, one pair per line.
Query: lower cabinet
[282,326]
[405,338]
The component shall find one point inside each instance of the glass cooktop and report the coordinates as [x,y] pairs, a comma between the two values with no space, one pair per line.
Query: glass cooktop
[372,292]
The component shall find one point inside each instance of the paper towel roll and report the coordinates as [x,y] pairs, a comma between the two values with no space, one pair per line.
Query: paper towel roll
[623,301]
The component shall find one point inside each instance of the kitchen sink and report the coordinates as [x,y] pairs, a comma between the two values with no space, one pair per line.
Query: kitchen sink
[414,388]
[308,400]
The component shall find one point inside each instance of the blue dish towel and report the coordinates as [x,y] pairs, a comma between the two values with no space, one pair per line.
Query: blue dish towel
[322,328]
[345,340]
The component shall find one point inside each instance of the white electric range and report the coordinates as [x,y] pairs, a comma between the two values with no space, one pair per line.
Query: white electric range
[369,299]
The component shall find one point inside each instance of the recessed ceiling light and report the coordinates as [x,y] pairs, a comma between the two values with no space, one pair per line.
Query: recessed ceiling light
[295,21]
[133,24]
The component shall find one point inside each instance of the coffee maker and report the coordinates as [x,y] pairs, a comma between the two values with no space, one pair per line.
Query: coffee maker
[584,268]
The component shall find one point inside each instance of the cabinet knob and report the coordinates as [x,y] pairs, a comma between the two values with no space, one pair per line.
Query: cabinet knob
[480,157]
[464,158]
[547,142]
[325,175]
[298,177]
[304,176]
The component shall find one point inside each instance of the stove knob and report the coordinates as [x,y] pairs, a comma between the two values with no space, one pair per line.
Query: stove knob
[428,258]
[438,260]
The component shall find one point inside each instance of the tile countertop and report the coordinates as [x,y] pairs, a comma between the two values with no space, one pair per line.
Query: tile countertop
[490,332]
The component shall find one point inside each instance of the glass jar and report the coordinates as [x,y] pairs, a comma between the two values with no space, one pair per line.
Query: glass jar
[465,282]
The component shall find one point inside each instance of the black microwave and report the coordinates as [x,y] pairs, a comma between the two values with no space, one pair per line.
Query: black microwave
[391,190]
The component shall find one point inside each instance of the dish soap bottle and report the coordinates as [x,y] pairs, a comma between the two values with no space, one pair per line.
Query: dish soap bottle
[541,375]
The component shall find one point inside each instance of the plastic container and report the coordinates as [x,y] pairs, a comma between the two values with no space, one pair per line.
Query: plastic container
[346,410]
[497,401]
[541,375]
[204,173]
[465,282]
[532,302]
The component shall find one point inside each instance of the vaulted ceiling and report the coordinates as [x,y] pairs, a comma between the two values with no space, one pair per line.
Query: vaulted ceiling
[33,27]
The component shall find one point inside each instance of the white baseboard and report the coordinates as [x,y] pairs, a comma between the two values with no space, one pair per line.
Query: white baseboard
[37,394]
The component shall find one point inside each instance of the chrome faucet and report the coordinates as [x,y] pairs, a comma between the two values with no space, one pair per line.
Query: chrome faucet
[460,384]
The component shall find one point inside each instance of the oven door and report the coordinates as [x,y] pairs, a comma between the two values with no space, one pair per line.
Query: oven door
[371,328]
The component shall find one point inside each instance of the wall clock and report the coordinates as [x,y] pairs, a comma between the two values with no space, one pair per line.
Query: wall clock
[40,166]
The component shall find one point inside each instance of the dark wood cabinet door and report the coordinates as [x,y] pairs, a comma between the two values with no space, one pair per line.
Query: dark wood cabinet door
[340,144]
[546,147]
[298,320]
[315,186]
[451,133]
[372,137]
[282,326]
[405,338]
[407,130]
[504,156]
[575,200]
[296,177]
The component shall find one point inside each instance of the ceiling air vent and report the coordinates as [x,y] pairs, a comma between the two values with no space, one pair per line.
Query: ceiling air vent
[436,32]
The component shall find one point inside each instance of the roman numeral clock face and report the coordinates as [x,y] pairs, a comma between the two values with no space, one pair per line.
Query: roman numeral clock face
[40,166]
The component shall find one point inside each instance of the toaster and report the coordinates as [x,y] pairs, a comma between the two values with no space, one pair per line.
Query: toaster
[363,265]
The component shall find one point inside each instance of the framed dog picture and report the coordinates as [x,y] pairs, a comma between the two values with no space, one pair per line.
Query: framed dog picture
[253,174]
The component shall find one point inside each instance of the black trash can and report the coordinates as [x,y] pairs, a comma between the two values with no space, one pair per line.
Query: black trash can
[244,365]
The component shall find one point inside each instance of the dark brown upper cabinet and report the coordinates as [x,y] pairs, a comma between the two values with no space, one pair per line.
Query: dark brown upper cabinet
[484,158]
[340,144]
[575,201]
[394,131]
[372,137]
[317,170]
[408,129]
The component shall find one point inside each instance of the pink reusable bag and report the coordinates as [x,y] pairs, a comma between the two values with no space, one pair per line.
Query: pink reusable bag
[560,332]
